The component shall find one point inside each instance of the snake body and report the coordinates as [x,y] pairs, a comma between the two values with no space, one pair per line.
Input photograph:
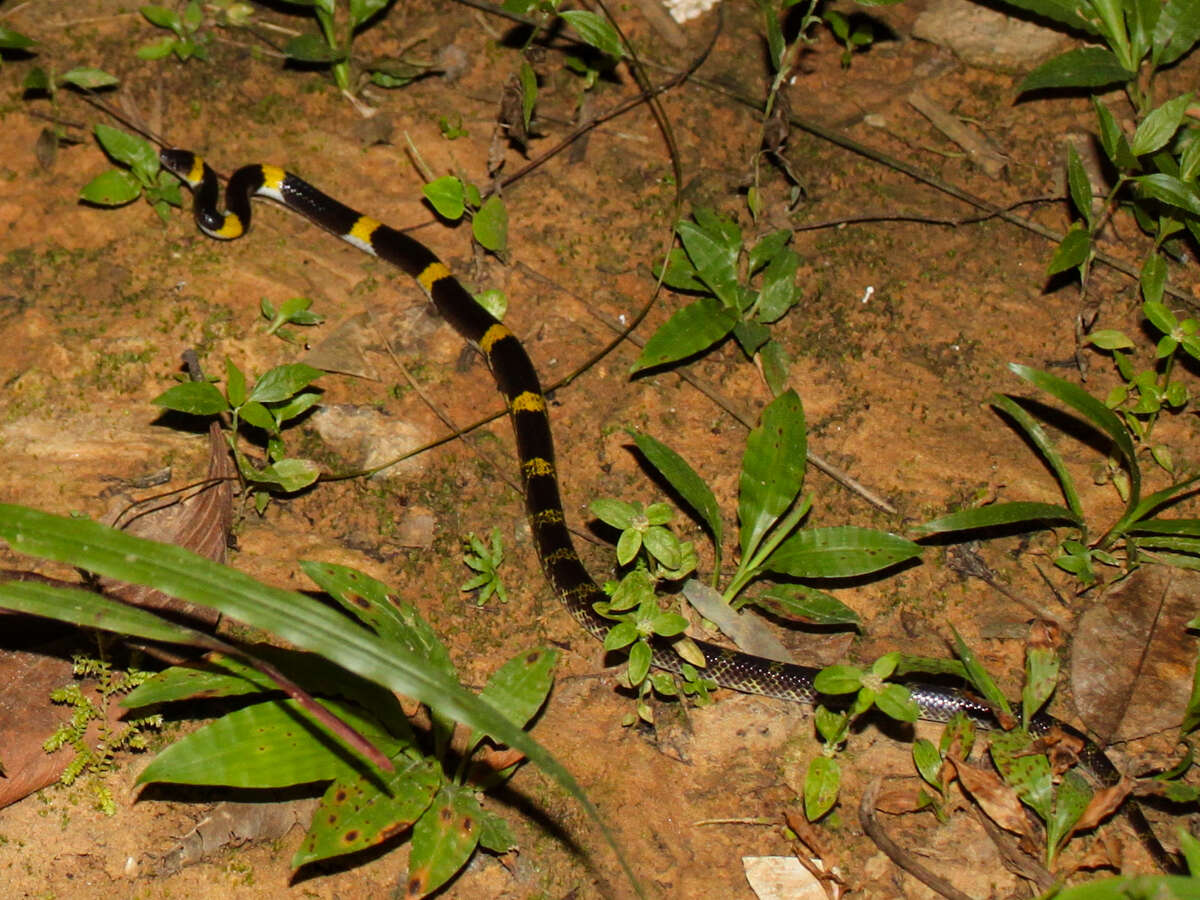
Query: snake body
[517,380]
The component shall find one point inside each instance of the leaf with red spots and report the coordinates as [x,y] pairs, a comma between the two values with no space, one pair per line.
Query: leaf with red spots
[443,840]
[356,814]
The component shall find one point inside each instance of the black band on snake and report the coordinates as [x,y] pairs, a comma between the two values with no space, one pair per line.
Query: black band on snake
[517,380]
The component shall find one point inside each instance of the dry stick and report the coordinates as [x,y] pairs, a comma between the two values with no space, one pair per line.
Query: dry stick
[846,143]
[1015,859]
[874,830]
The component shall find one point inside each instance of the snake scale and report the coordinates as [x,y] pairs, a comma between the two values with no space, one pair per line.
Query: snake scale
[517,380]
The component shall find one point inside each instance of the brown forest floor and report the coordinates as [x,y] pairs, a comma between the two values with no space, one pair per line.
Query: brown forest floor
[96,307]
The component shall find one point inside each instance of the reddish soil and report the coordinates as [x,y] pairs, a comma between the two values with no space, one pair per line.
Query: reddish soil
[902,337]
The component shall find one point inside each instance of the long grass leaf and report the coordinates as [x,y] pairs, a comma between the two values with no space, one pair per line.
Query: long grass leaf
[842,551]
[684,480]
[1041,440]
[998,514]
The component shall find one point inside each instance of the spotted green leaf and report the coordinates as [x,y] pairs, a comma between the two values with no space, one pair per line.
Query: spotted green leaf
[772,470]
[842,551]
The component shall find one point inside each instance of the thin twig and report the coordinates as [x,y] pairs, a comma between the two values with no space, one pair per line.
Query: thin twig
[874,830]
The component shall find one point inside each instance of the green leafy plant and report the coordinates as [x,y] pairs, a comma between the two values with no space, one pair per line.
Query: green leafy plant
[771,542]
[185,41]
[1147,392]
[1156,167]
[713,264]
[95,753]
[276,398]
[452,198]
[142,175]
[380,647]
[338,24]
[852,32]
[1136,533]
[13,40]
[269,742]
[485,560]
[293,311]
[38,80]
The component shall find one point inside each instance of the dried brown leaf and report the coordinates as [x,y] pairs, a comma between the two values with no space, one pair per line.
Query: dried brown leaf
[994,797]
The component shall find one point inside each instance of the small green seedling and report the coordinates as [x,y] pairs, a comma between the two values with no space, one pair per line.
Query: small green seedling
[713,264]
[276,398]
[485,560]
[293,311]
[853,33]
[452,198]
[142,175]
[95,757]
[185,41]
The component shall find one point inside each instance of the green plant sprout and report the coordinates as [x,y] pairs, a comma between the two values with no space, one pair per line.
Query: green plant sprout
[853,33]
[356,661]
[185,41]
[713,264]
[452,198]
[338,24]
[1136,533]
[143,175]
[485,560]
[1156,167]
[276,398]
[293,311]
[1147,392]
[95,756]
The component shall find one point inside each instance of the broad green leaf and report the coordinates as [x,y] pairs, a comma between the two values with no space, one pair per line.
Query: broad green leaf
[1109,339]
[1070,802]
[362,10]
[927,761]
[312,48]
[1085,67]
[291,474]
[772,469]
[689,331]
[160,49]
[375,605]
[520,687]
[778,293]
[14,40]
[1113,140]
[281,382]
[595,31]
[235,384]
[1041,677]
[680,274]
[489,225]
[896,702]
[495,834]
[804,604]
[842,551]
[1170,189]
[443,839]
[1160,316]
[1175,33]
[116,187]
[267,745]
[1160,125]
[1092,409]
[90,610]
[1045,446]
[162,17]
[128,148]
[197,398]
[821,786]
[446,196]
[640,657]
[838,679]
[767,249]
[355,814]
[684,481]
[1074,250]
[713,254]
[91,79]
[1079,184]
[998,514]
[1153,278]
[1027,773]
[978,676]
